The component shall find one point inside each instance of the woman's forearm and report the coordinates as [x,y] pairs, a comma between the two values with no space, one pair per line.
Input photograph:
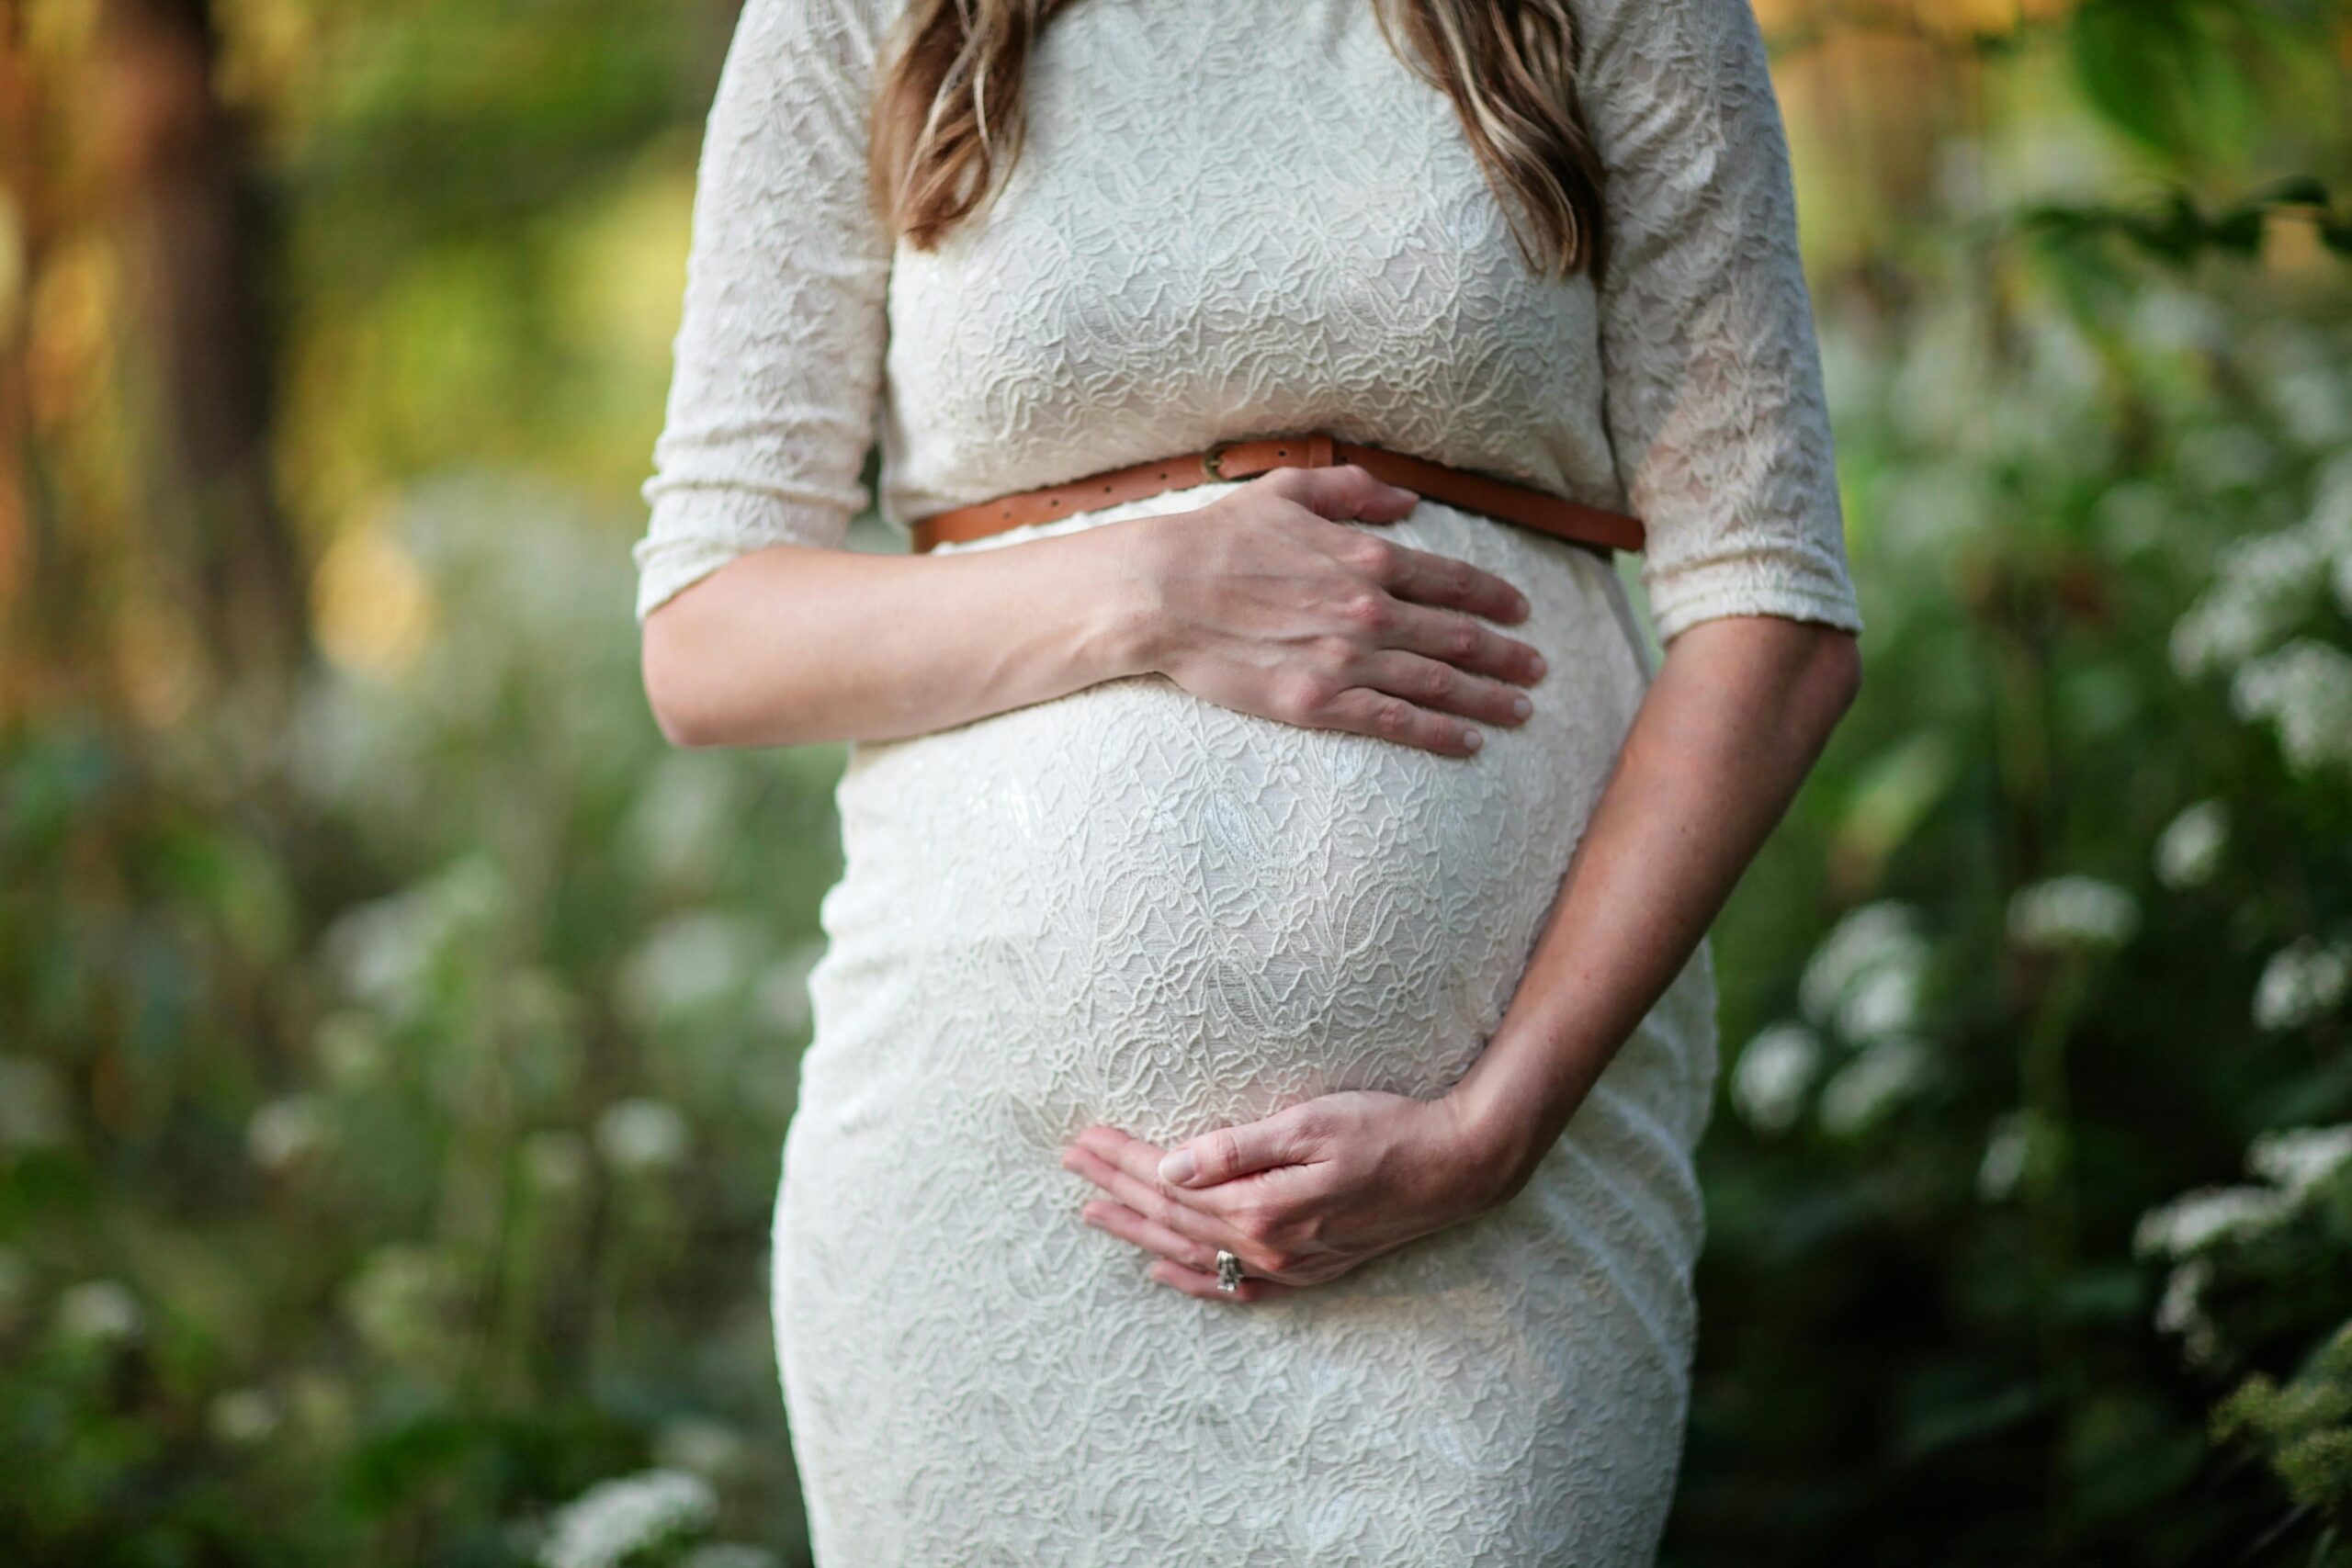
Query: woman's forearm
[1264,600]
[795,644]
[1735,718]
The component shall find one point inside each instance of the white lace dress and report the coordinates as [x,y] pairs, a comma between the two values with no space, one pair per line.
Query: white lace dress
[1233,218]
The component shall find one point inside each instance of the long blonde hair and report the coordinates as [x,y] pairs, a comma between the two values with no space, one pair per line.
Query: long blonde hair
[948,113]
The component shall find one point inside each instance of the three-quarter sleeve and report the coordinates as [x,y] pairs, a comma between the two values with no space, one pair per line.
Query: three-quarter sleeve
[1712,371]
[778,353]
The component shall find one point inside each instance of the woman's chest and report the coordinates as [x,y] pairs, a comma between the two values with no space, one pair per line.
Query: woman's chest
[1233,215]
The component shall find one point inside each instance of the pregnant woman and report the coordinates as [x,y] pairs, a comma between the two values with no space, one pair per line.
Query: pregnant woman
[1266,1018]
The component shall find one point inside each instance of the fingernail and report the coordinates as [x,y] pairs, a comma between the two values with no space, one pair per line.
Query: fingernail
[1473,740]
[1535,665]
[1177,1167]
[1522,707]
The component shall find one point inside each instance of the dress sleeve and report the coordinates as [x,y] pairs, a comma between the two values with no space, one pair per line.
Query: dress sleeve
[778,354]
[1712,371]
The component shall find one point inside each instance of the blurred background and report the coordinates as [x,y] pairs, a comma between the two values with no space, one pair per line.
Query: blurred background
[396,1036]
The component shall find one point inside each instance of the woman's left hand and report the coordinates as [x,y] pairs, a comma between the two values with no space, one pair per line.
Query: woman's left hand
[1301,1197]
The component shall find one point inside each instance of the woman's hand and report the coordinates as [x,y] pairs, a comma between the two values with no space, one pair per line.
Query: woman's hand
[1263,601]
[1301,1197]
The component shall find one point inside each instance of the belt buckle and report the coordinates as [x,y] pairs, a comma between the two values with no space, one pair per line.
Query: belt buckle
[1215,452]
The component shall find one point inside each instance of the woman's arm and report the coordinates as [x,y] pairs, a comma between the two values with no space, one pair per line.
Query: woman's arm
[1260,601]
[1734,721]
[797,644]
[1738,715]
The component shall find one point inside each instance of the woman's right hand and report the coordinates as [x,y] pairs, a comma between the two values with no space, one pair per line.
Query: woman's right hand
[1262,601]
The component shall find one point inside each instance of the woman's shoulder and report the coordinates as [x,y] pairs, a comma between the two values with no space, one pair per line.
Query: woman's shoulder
[1688,32]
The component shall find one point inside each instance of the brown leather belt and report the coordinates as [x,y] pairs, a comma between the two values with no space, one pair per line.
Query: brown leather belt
[1588,526]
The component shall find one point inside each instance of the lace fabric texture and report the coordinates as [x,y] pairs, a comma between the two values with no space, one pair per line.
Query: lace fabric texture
[1126,904]
[1234,217]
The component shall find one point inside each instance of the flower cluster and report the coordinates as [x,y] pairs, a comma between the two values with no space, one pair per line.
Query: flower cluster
[617,1519]
[2250,622]
[1865,987]
[656,1516]
[2303,981]
[2188,852]
[2197,1233]
[2073,913]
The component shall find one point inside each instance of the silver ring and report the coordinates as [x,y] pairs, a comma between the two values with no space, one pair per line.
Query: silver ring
[1228,1271]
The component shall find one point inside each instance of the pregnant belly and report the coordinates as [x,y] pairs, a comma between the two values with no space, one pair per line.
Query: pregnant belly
[1131,905]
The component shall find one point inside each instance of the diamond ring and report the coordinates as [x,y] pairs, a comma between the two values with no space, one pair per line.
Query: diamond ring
[1228,1271]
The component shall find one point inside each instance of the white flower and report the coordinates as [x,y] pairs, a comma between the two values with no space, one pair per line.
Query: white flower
[2267,585]
[2188,852]
[243,1416]
[100,1312]
[1874,1083]
[614,1520]
[2073,912]
[2263,587]
[386,951]
[2302,981]
[383,949]
[402,1301]
[2008,1148]
[2181,1309]
[286,1129]
[689,963]
[2305,691]
[644,1135]
[2184,1292]
[1882,1003]
[2299,1159]
[2195,1221]
[1871,940]
[1773,1075]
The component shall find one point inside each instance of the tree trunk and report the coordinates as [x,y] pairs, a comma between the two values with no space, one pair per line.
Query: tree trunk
[196,244]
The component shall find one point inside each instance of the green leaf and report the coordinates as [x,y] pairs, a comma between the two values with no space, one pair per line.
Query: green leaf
[2293,190]
[2136,60]
[2239,230]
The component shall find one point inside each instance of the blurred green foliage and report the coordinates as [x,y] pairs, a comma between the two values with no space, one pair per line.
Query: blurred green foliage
[392,1073]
